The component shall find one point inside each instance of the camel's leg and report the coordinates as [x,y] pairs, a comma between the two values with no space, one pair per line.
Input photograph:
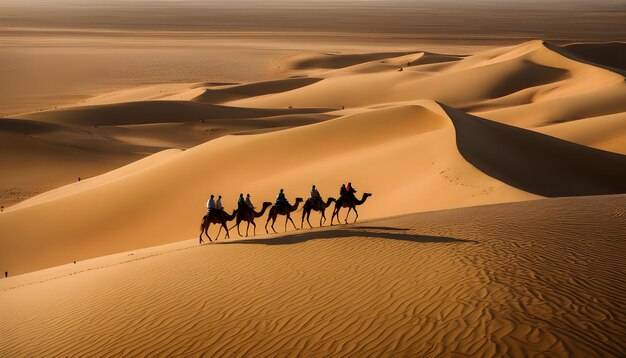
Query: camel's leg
[253,228]
[307,220]
[267,222]
[335,213]
[292,223]
[206,231]
[201,232]
[226,228]
[302,221]
[247,227]
[322,217]
[348,214]
[273,221]
[308,215]
[218,233]
[238,222]
[357,214]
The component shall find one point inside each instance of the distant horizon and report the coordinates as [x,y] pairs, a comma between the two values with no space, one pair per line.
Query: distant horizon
[558,20]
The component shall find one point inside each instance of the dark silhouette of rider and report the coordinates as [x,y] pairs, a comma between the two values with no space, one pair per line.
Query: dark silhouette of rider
[343,190]
[281,201]
[350,191]
[241,203]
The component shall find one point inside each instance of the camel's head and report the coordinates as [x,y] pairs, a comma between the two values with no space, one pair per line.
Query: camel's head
[367,195]
[299,200]
[266,204]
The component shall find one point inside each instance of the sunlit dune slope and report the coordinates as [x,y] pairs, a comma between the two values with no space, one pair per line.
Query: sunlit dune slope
[406,156]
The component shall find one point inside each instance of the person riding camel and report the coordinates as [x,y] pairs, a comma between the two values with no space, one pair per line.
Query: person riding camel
[219,208]
[343,190]
[315,195]
[350,189]
[349,195]
[281,201]
[210,204]
[241,203]
[249,202]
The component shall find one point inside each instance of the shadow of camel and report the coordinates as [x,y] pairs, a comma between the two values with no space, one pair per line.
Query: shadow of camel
[297,238]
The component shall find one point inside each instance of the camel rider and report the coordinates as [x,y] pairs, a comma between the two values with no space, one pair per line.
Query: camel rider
[281,201]
[210,204]
[350,191]
[241,203]
[218,204]
[249,202]
[315,195]
[343,190]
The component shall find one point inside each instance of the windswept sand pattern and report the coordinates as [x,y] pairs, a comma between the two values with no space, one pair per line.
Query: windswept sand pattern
[531,278]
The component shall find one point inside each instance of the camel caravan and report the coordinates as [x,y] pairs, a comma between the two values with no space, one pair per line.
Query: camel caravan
[247,212]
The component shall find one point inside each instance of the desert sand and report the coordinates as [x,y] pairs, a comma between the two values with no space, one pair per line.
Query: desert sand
[542,277]
[493,170]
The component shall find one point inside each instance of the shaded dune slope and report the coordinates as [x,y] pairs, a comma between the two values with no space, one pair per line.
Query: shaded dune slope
[227,93]
[336,60]
[537,163]
[609,54]
[155,112]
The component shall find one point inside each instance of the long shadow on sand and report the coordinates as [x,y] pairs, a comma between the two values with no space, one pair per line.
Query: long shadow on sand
[373,232]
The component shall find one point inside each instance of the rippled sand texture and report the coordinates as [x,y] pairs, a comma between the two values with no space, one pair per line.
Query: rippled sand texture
[541,277]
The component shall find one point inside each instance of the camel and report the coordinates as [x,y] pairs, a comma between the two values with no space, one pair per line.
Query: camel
[215,218]
[248,214]
[286,210]
[317,205]
[347,202]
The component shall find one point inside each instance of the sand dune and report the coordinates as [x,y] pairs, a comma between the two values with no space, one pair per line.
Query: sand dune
[154,112]
[326,154]
[610,54]
[57,147]
[537,163]
[516,85]
[52,155]
[532,278]
[603,132]
[412,154]
[227,93]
